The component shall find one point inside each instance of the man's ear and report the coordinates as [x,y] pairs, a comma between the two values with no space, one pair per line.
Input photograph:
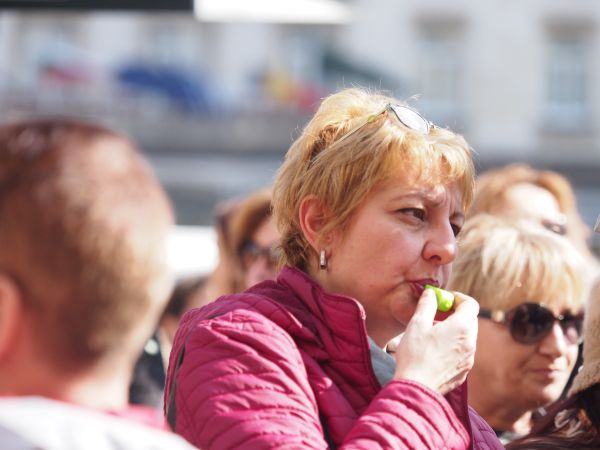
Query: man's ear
[11,313]
[313,215]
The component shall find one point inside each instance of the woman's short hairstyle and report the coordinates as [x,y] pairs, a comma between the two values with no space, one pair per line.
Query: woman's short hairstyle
[503,262]
[83,231]
[341,176]
[246,218]
[492,186]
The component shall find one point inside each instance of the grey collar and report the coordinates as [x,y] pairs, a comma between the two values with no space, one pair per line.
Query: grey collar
[384,364]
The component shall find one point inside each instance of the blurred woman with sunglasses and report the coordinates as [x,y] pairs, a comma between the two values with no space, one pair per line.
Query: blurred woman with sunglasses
[530,284]
[520,191]
[574,423]
[254,240]
[368,201]
[248,243]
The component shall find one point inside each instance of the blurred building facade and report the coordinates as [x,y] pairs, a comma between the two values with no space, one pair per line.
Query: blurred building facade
[519,79]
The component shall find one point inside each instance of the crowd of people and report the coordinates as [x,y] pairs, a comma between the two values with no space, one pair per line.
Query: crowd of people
[315,329]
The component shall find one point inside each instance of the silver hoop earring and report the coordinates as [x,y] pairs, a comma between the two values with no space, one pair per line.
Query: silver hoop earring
[322,260]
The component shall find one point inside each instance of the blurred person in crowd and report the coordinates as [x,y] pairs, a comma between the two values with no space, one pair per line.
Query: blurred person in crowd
[518,190]
[248,242]
[369,201]
[575,422]
[222,281]
[254,240]
[248,245]
[83,279]
[148,381]
[531,285]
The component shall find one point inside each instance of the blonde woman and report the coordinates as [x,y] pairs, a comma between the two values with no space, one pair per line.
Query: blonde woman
[574,423]
[368,202]
[530,284]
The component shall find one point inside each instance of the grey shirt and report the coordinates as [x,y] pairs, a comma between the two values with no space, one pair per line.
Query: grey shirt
[384,364]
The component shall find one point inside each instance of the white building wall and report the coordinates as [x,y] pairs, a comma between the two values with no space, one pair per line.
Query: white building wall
[502,69]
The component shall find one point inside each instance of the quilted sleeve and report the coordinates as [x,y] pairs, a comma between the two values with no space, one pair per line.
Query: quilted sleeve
[243,385]
[408,415]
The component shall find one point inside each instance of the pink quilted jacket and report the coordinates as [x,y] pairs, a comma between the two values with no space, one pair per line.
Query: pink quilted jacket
[287,365]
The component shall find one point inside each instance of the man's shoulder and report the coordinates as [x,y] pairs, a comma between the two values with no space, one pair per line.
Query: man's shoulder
[44,424]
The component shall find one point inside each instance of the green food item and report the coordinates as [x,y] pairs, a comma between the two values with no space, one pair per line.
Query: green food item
[445,299]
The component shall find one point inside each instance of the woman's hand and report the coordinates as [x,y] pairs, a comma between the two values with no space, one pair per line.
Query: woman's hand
[439,356]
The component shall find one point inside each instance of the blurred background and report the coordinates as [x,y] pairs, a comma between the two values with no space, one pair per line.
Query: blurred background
[215,91]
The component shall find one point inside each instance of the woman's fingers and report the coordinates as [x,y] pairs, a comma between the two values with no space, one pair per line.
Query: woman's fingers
[465,304]
[441,355]
[425,312]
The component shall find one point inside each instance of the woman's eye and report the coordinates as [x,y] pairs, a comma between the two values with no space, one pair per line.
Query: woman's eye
[414,212]
[455,229]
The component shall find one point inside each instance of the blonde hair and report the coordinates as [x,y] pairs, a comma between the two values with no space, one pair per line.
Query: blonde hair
[341,174]
[504,262]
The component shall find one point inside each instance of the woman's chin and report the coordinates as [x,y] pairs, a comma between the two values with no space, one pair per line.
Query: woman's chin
[404,314]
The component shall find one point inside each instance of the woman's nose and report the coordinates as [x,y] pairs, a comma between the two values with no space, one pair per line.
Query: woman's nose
[555,343]
[441,246]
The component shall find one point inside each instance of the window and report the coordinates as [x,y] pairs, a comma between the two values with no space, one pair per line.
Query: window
[440,72]
[566,102]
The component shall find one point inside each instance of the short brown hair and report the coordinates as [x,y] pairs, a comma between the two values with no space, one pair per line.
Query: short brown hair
[492,185]
[342,175]
[250,213]
[247,216]
[83,227]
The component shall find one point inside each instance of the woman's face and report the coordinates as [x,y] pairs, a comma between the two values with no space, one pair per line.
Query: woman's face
[524,377]
[533,202]
[260,265]
[400,238]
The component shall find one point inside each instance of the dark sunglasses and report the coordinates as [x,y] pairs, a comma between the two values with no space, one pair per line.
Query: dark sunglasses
[405,115]
[251,252]
[530,323]
[555,226]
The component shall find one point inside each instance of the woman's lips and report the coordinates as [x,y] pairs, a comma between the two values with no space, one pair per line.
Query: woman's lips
[419,286]
[548,374]
[417,289]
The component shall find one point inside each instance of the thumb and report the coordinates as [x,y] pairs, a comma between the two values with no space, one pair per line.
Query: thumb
[425,312]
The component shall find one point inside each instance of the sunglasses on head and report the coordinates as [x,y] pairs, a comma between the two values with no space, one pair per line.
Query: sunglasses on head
[530,323]
[405,115]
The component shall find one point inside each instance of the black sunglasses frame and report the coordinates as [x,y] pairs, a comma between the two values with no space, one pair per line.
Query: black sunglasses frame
[251,251]
[539,319]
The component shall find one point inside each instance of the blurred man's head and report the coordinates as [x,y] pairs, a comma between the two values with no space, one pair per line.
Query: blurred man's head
[83,226]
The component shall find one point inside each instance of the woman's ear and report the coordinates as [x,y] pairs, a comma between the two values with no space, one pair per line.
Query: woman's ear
[312,216]
[11,313]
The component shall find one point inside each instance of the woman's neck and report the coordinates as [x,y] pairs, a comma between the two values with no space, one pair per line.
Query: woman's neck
[499,413]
